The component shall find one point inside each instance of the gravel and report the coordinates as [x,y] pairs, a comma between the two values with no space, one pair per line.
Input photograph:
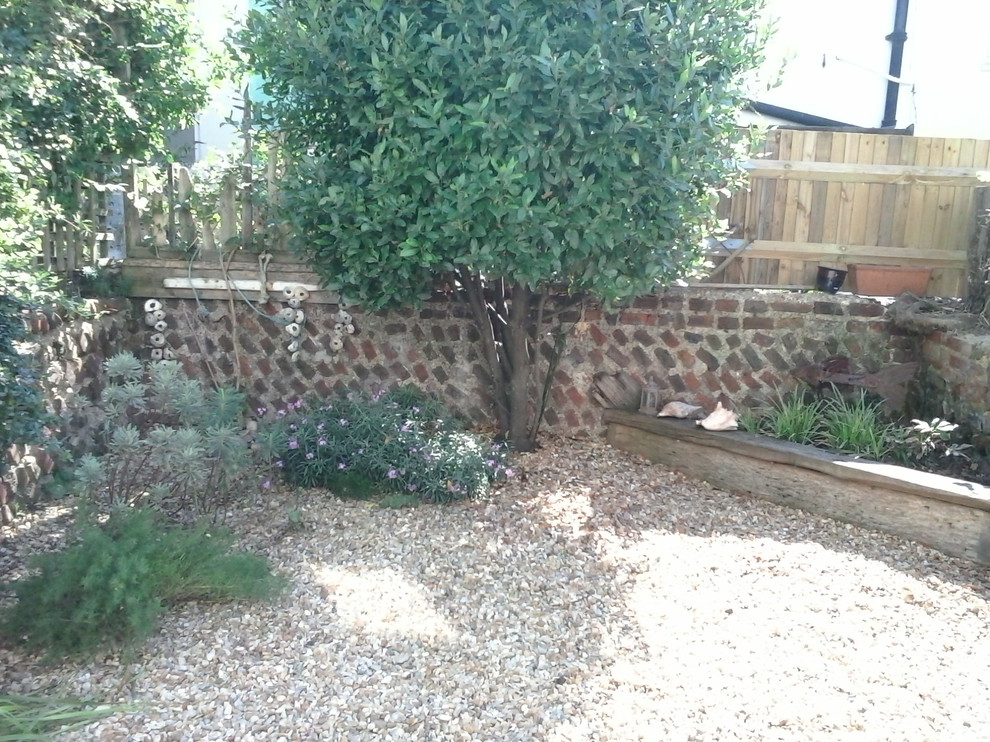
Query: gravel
[594,597]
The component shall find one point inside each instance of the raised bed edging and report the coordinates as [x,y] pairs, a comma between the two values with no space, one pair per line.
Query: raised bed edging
[947,514]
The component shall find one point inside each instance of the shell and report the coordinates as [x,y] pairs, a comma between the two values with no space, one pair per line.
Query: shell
[720,419]
[161,326]
[293,329]
[157,340]
[152,305]
[293,346]
[343,317]
[336,344]
[288,314]
[681,410]
[157,354]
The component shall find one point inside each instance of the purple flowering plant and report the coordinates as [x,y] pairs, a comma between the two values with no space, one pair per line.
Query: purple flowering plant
[398,441]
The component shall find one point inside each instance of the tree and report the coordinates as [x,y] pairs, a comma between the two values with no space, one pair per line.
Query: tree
[519,150]
[85,86]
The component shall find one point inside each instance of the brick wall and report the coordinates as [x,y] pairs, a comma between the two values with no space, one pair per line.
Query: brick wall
[68,358]
[959,367]
[694,344]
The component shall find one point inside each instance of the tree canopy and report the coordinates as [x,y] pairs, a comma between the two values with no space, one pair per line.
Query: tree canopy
[514,147]
[85,86]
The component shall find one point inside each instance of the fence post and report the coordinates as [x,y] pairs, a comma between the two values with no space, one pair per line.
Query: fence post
[979,252]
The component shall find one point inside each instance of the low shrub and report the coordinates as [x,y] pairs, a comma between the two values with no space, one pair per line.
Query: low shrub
[789,417]
[109,587]
[857,425]
[24,718]
[169,443]
[397,442]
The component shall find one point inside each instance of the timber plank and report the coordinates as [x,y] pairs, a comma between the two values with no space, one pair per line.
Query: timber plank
[947,514]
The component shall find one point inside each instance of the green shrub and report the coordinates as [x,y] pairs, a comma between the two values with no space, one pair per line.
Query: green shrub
[24,718]
[858,426]
[109,587]
[789,417]
[170,444]
[398,442]
[22,410]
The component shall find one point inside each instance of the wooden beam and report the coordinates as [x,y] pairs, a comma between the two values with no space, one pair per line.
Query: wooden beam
[850,172]
[852,253]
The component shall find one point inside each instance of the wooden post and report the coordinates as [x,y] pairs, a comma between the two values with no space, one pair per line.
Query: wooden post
[979,252]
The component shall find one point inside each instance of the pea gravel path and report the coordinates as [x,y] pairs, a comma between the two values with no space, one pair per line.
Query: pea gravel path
[595,597]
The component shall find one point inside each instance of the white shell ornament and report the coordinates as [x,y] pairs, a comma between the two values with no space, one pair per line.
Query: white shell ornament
[161,326]
[343,317]
[349,329]
[150,319]
[336,344]
[159,315]
[294,303]
[720,419]
[293,346]
[287,314]
[680,410]
[157,354]
[293,329]
[300,317]
[168,354]
[157,340]
[152,305]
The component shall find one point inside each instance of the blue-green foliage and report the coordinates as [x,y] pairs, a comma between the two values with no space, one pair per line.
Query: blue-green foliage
[22,410]
[398,442]
[109,587]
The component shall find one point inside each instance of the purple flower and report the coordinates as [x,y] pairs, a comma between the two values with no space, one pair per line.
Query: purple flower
[321,426]
[293,443]
[267,484]
[344,421]
[280,463]
[509,472]
[322,442]
[310,455]
[392,473]
[341,465]
[261,411]
[411,487]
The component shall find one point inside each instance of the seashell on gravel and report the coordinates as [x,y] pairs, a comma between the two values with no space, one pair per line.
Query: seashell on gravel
[592,597]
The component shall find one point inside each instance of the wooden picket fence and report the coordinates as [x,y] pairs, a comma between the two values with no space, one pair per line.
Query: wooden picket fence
[837,198]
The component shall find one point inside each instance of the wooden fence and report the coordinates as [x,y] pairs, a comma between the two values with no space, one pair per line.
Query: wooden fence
[837,198]
[80,238]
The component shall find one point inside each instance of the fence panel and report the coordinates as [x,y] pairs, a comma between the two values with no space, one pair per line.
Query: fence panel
[838,198]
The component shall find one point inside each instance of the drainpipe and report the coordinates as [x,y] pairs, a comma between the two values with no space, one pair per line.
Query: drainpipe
[897,37]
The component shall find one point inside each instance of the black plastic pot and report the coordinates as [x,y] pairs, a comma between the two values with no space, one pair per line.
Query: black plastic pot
[829,280]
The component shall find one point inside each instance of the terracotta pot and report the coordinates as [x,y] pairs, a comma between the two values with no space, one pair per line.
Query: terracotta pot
[889,280]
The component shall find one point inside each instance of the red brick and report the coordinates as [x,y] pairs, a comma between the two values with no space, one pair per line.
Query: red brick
[700,320]
[637,318]
[790,306]
[726,305]
[758,323]
[865,309]
[692,382]
[700,305]
[728,323]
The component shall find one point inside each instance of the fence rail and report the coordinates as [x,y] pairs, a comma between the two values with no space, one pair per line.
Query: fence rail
[837,198]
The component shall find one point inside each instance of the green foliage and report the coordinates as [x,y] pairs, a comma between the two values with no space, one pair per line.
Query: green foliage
[108,588]
[794,416]
[929,440]
[169,443]
[101,281]
[398,442]
[857,425]
[26,718]
[85,87]
[22,410]
[527,144]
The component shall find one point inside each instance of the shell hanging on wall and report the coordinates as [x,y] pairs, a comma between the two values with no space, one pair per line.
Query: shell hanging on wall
[152,305]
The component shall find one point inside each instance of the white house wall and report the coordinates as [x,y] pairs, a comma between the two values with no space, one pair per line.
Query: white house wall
[834,59]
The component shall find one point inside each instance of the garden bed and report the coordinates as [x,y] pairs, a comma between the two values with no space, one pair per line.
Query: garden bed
[951,515]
